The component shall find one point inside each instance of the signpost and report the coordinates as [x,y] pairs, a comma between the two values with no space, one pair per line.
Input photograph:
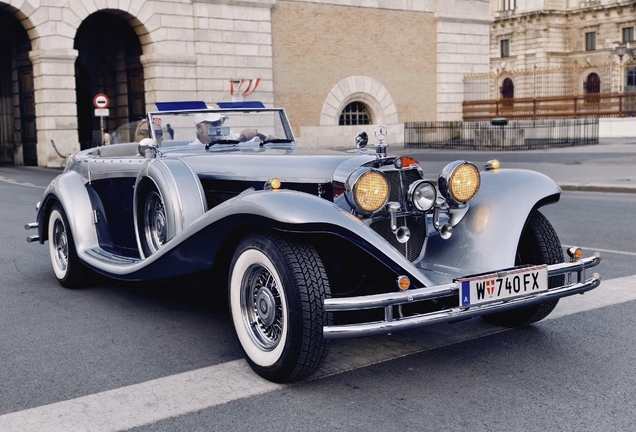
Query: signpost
[101,102]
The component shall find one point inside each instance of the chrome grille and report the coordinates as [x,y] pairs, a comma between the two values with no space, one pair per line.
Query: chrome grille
[412,248]
[399,181]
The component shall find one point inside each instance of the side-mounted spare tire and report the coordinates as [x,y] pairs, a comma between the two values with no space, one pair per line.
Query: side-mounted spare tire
[168,198]
[539,244]
[277,287]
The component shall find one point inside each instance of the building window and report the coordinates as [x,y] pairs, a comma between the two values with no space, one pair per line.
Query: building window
[628,34]
[355,114]
[630,78]
[509,4]
[505,48]
[590,41]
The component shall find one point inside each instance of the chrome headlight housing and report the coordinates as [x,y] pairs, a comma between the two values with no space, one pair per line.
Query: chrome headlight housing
[459,182]
[367,190]
[422,195]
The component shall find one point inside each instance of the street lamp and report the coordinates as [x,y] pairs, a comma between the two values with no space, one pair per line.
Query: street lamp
[620,51]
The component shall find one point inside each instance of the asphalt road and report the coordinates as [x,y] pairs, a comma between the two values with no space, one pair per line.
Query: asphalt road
[163,356]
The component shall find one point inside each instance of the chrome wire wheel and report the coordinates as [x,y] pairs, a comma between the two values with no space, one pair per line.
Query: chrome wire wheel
[262,307]
[155,222]
[69,270]
[59,242]
[277,287]
[259,307]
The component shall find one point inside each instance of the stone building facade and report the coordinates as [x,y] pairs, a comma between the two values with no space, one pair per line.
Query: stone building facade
[394,60]
[562,33]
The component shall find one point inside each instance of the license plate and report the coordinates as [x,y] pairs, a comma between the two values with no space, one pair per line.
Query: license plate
[502,285]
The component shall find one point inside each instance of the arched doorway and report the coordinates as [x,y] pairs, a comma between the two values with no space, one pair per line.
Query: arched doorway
[18,138]
[508,89]
[108,63]
[592,87]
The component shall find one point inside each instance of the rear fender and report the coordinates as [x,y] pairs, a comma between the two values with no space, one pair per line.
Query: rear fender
[70,191]
[487,238]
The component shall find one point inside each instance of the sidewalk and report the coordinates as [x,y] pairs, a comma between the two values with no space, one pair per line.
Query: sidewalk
[609,166]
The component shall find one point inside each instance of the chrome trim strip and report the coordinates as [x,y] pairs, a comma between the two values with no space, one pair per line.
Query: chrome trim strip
[453,314]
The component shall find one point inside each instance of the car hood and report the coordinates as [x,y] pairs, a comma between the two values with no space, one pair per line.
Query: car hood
[301,165]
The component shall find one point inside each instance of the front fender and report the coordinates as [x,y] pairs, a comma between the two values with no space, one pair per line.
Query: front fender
[195,248]
[487,238]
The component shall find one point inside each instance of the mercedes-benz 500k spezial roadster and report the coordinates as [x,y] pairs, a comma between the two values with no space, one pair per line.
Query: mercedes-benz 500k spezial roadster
[312,245]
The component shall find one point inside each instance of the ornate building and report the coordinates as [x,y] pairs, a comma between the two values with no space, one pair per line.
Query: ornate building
[335,65]
[590,41]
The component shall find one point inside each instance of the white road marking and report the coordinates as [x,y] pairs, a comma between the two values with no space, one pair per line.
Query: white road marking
[603,250]
[31,185]
[176,395]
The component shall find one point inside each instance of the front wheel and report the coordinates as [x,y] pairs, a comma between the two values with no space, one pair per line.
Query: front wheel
[539,244]
[276,292]
[69,270]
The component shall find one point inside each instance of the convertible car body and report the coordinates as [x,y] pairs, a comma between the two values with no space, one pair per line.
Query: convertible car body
[310,245]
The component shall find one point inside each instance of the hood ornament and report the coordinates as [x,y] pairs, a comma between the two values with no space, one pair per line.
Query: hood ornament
[380,147]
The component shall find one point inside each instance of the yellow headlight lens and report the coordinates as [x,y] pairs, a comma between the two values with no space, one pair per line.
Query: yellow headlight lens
[371,191]
[464,182]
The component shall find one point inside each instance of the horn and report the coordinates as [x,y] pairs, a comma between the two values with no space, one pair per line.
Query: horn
[403,234]
[445,231]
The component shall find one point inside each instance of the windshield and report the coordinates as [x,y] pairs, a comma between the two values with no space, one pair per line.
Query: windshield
[212,127]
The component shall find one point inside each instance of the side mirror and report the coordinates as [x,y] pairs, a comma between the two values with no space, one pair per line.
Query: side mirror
[362,139]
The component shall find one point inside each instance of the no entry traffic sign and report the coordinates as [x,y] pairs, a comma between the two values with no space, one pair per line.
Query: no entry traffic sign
[101,101]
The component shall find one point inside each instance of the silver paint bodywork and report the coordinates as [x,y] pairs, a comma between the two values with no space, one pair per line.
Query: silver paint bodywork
[485,234]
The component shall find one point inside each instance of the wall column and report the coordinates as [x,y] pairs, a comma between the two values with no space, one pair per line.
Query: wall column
[463,47]
[55,105]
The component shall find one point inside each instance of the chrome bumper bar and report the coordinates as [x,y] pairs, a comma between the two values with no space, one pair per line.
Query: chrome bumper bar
[391,324]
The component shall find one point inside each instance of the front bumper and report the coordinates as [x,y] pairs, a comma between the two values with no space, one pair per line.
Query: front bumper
[392,324]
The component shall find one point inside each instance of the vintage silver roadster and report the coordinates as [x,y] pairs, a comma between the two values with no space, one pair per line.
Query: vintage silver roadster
[311,245]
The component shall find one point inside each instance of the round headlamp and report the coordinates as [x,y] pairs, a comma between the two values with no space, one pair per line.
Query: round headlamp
[367,190]
[422,195]
[459,182]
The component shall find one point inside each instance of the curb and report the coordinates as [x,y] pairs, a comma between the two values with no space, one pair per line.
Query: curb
[598,188]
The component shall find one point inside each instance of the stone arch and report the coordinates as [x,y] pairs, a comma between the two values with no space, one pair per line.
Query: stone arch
[363,89]
[108,61]
[18,132]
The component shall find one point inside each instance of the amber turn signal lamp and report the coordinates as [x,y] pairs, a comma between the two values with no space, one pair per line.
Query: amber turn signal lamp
[273,184]
[575,252]
[403,282]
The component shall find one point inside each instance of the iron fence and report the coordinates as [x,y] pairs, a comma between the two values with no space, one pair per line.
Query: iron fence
[565,80]
[596,105]
[515,135]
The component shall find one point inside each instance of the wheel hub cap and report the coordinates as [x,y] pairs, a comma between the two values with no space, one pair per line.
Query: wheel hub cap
[265,306]
[61,245]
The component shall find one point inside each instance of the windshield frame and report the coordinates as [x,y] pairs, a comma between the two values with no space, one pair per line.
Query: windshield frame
[156,117]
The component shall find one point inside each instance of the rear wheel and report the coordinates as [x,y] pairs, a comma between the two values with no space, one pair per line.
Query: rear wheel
[276,289]
[539,244]
[153,227]
[69,270]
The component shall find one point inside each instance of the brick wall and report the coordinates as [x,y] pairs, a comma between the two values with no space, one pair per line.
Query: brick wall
[316,46]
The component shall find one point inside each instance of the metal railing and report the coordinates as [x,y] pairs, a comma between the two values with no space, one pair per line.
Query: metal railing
[515,135]
[542,82]
[597,105]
